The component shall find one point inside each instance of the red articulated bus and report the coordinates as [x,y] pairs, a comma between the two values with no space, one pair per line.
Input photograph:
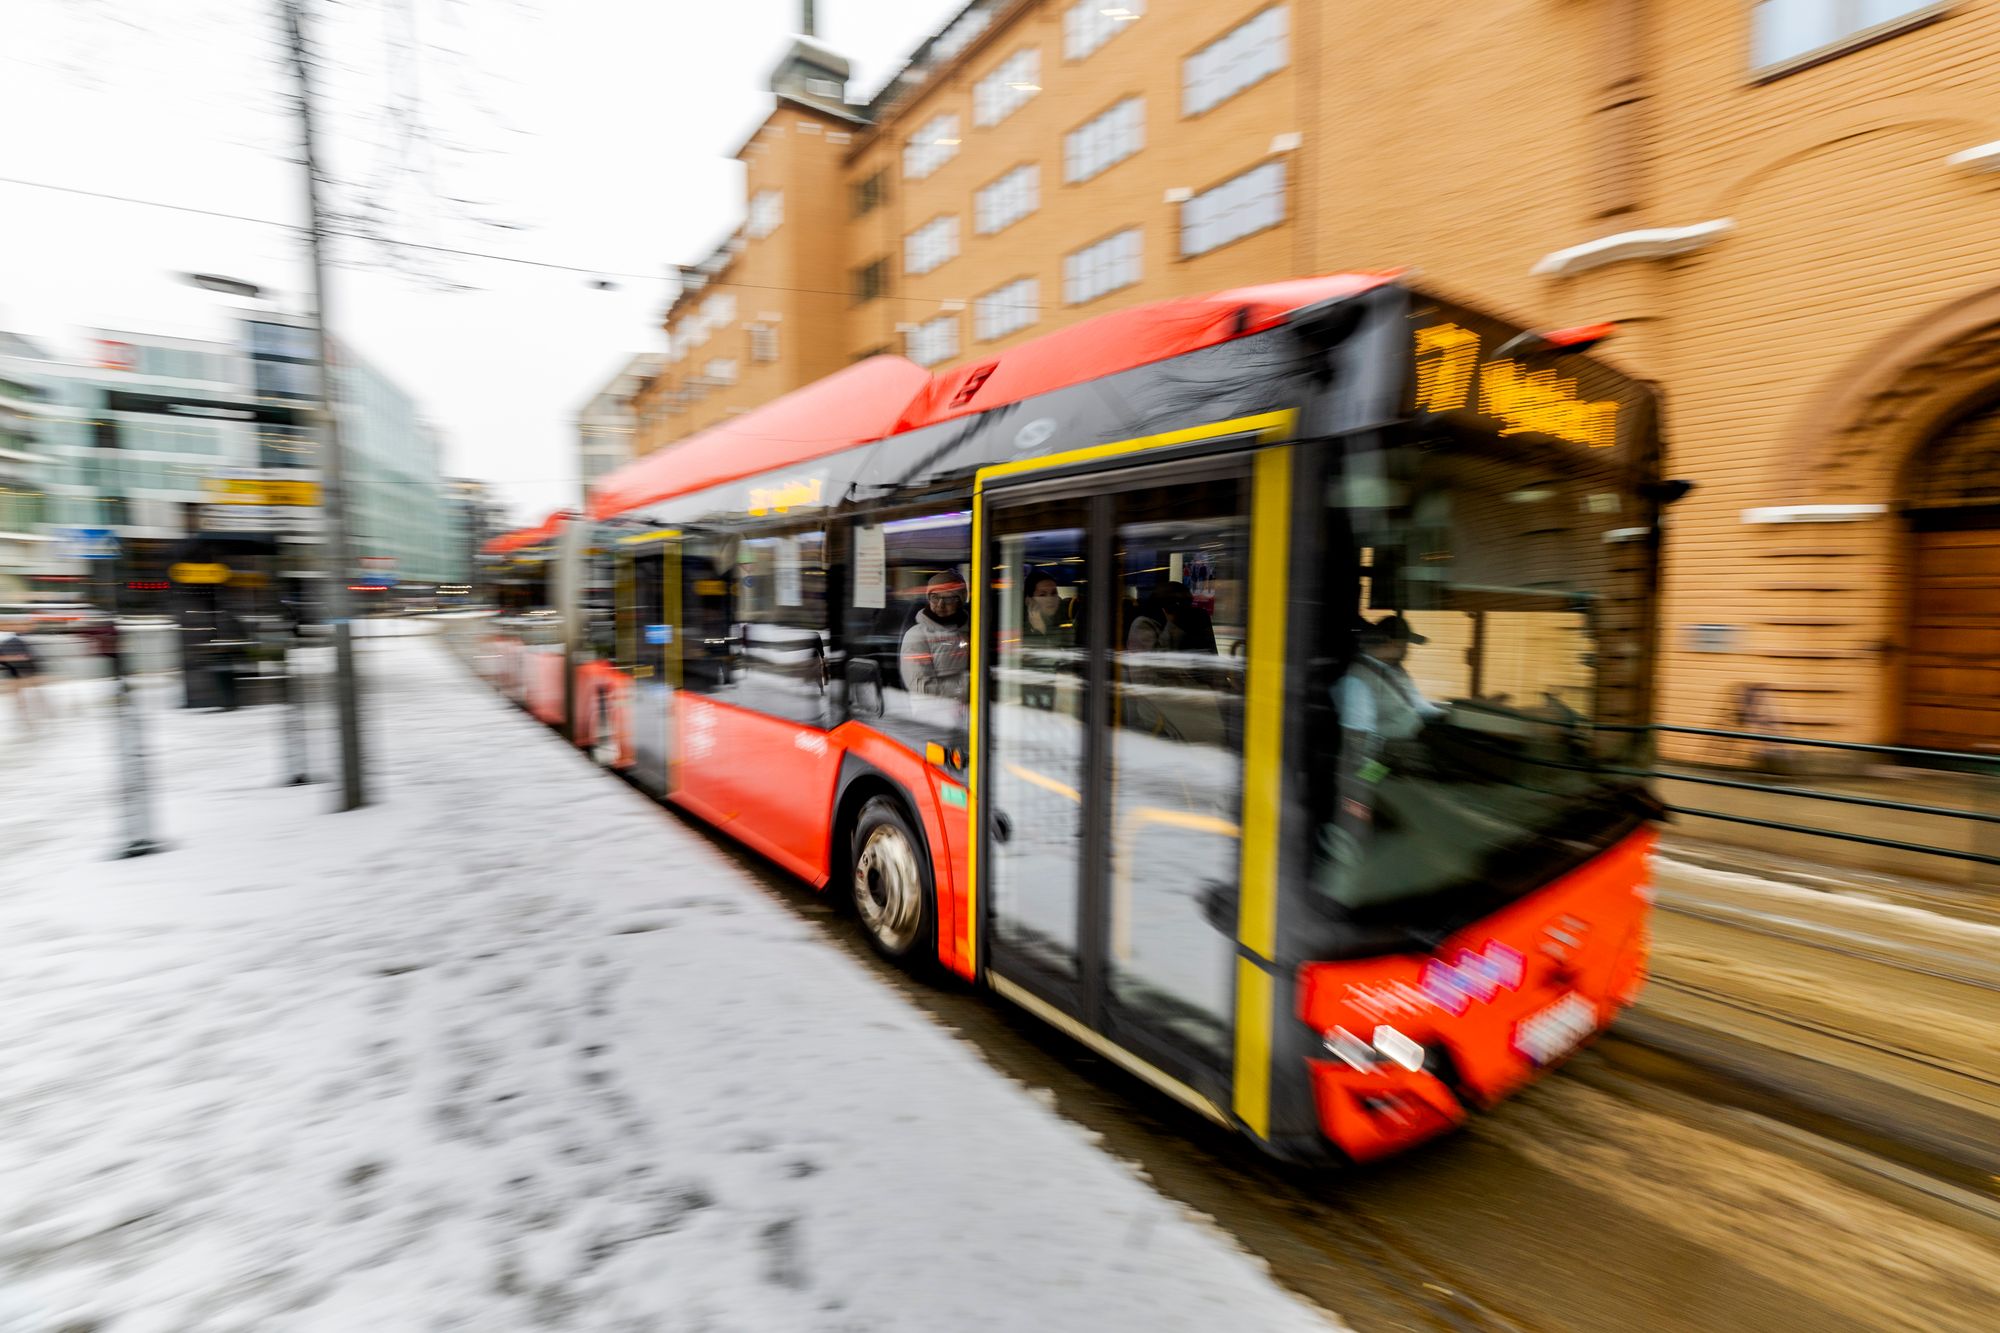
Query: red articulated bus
[1246,684]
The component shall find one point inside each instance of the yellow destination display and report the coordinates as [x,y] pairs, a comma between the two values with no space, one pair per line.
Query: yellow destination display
[1455,378]
[192,572]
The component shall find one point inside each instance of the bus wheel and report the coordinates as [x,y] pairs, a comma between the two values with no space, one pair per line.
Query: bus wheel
[892,894]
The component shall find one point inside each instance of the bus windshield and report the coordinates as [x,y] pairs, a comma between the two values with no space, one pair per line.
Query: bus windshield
[1485,672]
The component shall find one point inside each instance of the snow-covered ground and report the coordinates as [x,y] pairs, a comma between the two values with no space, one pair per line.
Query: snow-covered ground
[509,1049]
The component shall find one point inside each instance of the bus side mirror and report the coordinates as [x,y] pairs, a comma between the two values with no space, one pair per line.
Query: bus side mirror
[1666,492]
[864,688]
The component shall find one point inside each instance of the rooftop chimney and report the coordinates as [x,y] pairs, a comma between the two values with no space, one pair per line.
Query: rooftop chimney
[806,18]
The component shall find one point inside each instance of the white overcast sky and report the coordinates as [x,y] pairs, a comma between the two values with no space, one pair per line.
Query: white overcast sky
[593,131]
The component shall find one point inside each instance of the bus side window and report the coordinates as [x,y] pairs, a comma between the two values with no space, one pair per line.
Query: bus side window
[708,629]
[907,626]
[598,598]
[782,626]
[644,613]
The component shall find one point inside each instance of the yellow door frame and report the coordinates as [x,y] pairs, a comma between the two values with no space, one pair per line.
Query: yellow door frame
[1270,565]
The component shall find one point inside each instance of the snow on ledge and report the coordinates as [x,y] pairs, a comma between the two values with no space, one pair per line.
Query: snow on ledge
[1649,243]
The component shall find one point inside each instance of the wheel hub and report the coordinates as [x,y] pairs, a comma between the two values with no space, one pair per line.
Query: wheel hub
[888,889]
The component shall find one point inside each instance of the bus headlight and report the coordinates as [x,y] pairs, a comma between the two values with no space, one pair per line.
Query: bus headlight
[1393,1046]
[1354,1052]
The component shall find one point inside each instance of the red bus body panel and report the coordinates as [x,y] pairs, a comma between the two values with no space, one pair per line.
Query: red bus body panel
[601,688]
[544,664]
[946,827]
[763,780]
[1573,952]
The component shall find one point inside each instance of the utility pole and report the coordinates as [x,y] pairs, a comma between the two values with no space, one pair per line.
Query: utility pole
[332,474]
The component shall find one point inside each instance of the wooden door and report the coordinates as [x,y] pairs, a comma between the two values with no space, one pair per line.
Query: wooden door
[1951,689]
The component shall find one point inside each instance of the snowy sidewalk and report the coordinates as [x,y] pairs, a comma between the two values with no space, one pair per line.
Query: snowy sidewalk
[511,1049]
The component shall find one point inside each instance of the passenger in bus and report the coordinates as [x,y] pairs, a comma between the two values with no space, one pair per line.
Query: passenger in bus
[937,653]
[1189,630]
[1145,625]
[1376,695]
[1047,639]
[1043,624]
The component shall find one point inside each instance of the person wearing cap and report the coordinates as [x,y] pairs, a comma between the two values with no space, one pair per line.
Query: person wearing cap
[937,657]
[1378,702]
[1377,696]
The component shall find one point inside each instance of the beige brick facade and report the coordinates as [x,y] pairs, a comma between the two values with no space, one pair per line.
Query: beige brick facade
[1808,352]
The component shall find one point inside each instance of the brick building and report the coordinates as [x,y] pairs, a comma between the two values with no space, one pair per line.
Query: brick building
[1790,205]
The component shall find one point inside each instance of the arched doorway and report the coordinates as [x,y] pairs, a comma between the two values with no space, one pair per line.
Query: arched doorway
[1951,680]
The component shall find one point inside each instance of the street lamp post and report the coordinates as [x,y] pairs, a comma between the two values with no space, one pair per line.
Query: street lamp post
[332,471]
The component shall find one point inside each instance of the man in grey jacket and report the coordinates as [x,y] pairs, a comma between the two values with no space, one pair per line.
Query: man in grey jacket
[937,649]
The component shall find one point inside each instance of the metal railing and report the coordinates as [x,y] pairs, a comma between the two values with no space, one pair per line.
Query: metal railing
[1975,765]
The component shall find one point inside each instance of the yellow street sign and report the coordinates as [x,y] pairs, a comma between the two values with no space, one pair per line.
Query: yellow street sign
[189,572]
[262,491]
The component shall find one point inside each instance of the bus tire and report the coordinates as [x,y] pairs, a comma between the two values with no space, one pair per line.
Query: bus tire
[889,884]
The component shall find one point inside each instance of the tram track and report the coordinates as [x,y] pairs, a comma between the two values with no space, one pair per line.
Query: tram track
[1469,1234]
[1971,971]
[1348,1241]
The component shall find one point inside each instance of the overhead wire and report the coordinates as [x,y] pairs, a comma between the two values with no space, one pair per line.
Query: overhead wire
[461,252]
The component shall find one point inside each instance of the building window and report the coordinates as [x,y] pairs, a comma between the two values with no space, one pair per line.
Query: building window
[868,195]
[1004,91]
[1104,267]
[1006,310]
[1089,24]
[763,342]
[1234,209]
[934,341]
[959,35]
[871,281]
[824,88]
[767,211]
[1783,30]
[930,245]
[722,370]
[934,144]
[1252,50]
[1102,143]
[1007,200]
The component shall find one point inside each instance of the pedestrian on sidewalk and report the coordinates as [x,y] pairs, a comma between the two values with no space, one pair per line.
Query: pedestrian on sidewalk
[20,669]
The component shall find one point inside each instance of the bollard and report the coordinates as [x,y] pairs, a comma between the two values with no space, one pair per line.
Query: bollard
[292,706]
[135,790]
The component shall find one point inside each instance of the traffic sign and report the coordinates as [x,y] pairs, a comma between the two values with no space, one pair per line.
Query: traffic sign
[76,543]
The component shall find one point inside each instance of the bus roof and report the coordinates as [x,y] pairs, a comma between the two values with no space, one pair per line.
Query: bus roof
[887,395]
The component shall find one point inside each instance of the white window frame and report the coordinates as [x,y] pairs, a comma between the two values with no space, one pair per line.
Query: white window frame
[1098,269]
[720,370]
[934,143]
[1011,85]
[1089,24]
[959,35]
[1111,136]
[1006,309]
[933,341]
[931,246]
[1847,25]
[1230,210]
[767,213]
[1238,60]
[763,343]
[1005,200]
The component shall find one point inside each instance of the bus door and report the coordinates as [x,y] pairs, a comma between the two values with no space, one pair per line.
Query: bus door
[649,648]
[1116,690]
